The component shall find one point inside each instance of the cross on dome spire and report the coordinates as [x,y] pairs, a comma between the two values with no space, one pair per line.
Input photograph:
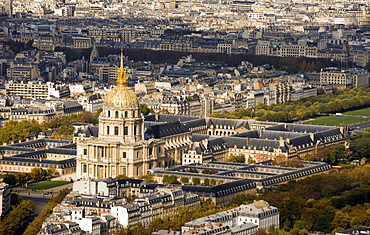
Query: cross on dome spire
[121,79]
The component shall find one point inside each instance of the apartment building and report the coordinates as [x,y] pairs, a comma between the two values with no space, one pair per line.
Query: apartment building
[242,220]
[36,90]
[4,199]
[344,78]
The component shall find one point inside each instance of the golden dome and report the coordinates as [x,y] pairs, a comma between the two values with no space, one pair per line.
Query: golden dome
[121,96]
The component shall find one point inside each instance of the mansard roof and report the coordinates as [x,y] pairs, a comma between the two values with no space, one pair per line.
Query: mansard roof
[222,189]
[195,123]
[88,131]
[199,137]
[250,134]
[275,135]
[306,128]
[221,122]
[165,129]
[301,140]
[329,135]
[168,118]
[266,144]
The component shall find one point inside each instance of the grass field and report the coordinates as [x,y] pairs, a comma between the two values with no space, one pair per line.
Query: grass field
[334,120]
[47,184]
[360,112]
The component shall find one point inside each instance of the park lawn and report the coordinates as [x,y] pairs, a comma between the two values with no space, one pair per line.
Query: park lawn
[334,120]
[360,112]
[48,184]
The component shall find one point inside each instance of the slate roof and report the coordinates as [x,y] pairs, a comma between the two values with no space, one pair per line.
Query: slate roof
[169,118]
[164,130]
[275,135]
[301,140]
[88,131]
[198,147]
[195,123]
[268,145]
[199,137]
[236,123]
[250,134]
[217,144]
[327,135]
[222,189]
[306,128]
[62,151]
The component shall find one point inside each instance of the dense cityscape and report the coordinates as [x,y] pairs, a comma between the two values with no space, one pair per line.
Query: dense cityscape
[184,117]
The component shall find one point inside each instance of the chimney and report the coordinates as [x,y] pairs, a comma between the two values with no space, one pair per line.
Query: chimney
[247,141]
[312,136]
[281,141]
[156,116]
[205,143]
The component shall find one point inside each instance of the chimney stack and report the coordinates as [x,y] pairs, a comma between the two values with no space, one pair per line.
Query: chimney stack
[281,141]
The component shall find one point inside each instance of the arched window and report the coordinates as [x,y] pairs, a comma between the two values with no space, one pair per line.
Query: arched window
[116,115]
[116,130]
[126,114]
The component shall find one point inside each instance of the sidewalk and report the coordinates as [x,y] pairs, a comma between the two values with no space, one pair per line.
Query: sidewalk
[65,177]
[44,192]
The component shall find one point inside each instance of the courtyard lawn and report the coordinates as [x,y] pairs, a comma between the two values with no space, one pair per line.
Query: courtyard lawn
[334,120]
[47,184]
[360,112]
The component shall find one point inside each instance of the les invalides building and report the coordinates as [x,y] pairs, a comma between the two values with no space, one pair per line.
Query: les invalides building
[120,148]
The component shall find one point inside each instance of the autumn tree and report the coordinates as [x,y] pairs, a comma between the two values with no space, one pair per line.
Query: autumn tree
[236,158]
[14,222]
[170,179]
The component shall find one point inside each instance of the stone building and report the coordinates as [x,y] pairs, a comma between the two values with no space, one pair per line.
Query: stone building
[120,148]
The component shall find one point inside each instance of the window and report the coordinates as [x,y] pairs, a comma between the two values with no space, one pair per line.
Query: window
[125,130]
[126,114]
[116,130]
[134,130]
[84,168]
[108,114]
[85,151]
[124,155]
[116,115]
[107,130]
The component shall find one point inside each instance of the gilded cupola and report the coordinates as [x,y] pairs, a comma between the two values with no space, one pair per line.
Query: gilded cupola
[122,96]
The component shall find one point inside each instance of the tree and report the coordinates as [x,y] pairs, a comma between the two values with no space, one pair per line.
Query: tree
[35,226]
[196,181]
[15,199]
[121,177]
[149,177]
[14,131]
[144,109]
[14,222]
[85,117]
[236,158]
[184,180]
[251,160]
[10,179]
[66,130]
[299,228]
[170,179]
[336,153]
[360,148]
[37,173]
[206,182]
